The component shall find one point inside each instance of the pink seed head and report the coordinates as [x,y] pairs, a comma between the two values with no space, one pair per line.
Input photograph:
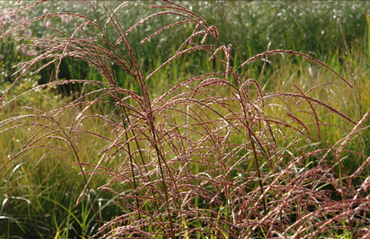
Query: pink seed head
[24,50]
[48,25]
[27,32]
[66,19]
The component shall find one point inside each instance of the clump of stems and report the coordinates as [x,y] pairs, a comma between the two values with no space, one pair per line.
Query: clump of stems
[198,162]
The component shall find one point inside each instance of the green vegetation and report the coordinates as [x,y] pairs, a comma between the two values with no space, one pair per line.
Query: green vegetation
[274,146]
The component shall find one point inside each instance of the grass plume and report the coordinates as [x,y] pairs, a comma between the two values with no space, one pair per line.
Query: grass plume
[213,156]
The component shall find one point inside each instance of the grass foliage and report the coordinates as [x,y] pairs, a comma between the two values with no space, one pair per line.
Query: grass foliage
[220,154]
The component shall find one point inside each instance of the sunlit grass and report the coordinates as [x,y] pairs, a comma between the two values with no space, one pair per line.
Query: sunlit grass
[45,185]
[40,188]
[258,153]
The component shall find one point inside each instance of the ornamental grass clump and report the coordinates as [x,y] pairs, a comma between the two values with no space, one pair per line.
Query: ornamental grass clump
[213,155]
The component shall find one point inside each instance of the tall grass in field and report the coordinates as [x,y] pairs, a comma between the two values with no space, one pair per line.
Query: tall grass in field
[212,156]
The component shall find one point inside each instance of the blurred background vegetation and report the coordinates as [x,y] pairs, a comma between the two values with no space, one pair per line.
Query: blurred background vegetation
[312,28]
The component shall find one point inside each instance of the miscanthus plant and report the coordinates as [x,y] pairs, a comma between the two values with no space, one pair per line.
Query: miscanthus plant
[212,156]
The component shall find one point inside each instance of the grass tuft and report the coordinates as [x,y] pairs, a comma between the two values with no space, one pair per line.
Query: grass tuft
[216,155]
